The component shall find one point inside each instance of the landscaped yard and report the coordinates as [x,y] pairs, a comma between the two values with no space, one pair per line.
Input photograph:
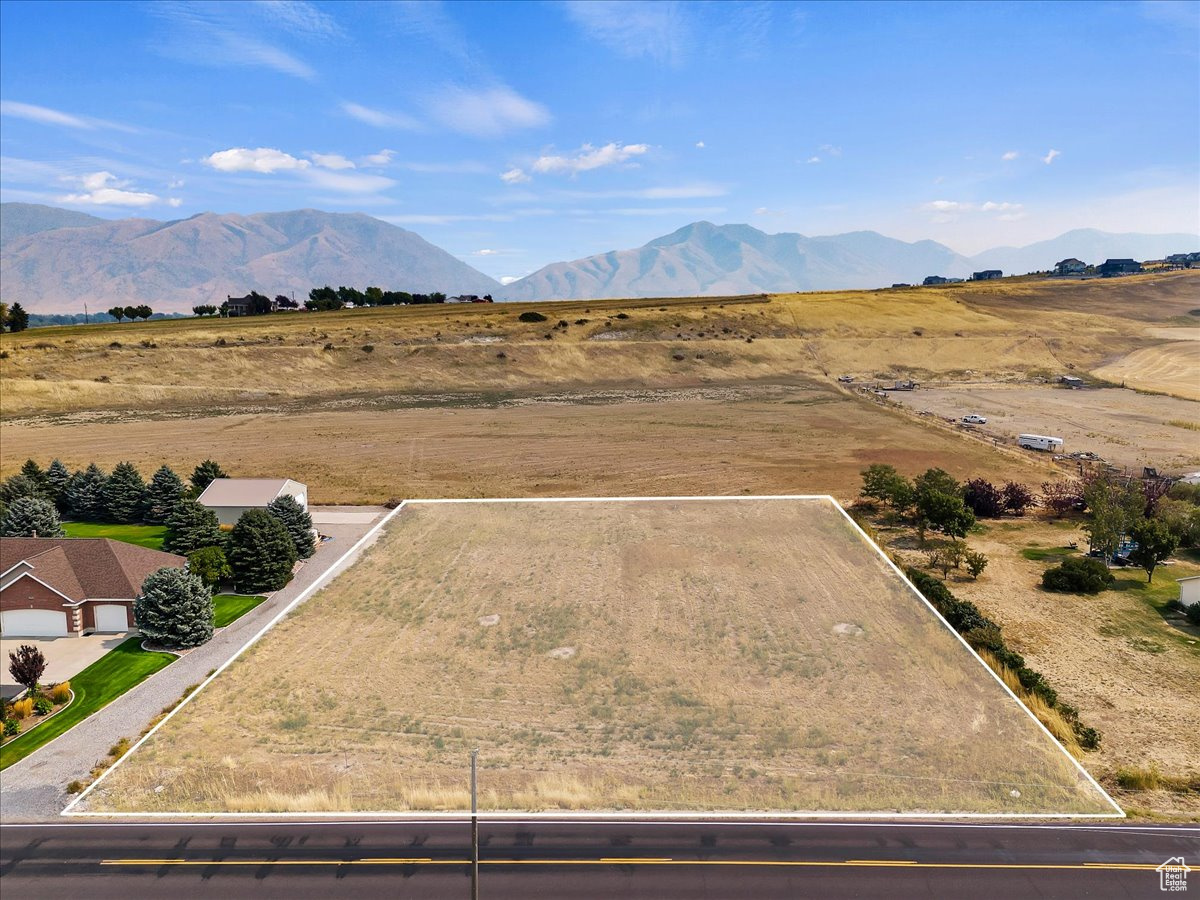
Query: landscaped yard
[227,608]
[95,687]
[143,535]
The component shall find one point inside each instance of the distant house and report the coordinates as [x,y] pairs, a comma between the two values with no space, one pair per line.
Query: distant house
[901,284]
[250,305]
[987,275]
[230,497]
[935,279]
[1189,590]
[1183,260]
[54,587]
[1071,381]
[1071,266]
[1112,267]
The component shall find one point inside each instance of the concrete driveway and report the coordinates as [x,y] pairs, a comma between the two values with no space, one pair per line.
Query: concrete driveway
[65,656]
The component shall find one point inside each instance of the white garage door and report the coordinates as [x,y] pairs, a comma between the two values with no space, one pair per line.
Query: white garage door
[33,622]
[111,617]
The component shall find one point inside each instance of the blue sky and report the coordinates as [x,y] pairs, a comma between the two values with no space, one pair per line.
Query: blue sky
[517,134]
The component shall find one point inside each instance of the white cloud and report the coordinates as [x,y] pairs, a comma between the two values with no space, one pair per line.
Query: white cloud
[1051,156]
[657,29]
[674,192]
[331,160]
[174,201]
[46,116]
[174,184]
[489,112]
[348,182]
[379,118]
[449,167]
[514,176]
[989,206]
[231,34]
[509,279]
[830,149]
[105,189]
[382,158]
[944,211]
[813,159]
[1010,156]
[484,252]
[654,211]
[589,157]
[264,160]
[700,145]
[299,17]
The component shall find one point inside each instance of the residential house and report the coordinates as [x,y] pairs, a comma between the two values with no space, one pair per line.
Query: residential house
[51,587]
[1112,267]
[1184,260]
[935,279]
[1071,266]
[987,275]
[230,497]
[250,305]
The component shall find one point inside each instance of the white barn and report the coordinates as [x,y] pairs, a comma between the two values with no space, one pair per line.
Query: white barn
[230,497]
[1189,590]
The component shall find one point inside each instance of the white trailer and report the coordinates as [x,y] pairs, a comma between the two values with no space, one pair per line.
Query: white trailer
[1039,442]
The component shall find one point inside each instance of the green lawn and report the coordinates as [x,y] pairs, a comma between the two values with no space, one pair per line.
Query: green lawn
[229,607]
[95,687]
[143,535]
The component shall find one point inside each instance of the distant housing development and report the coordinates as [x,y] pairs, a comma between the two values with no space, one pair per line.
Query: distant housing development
[987,275]
[1111,267]
[70,586]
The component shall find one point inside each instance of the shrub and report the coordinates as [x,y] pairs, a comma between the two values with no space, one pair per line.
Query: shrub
[11,727]
[261,552]
[26,665]
[22,709]
[983,498]
[1017,498]
[31,517]
[74,787]
[175,609]
[1193,613]
[368,348]
[531,316]
[42,706]
[209,565]
[976,562]
[61,692]
[1078,575]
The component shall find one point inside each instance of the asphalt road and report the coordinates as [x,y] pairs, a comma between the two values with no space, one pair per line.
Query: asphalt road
[579,859]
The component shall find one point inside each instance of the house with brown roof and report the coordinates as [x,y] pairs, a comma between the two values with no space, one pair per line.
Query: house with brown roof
[72,586]
[230,497]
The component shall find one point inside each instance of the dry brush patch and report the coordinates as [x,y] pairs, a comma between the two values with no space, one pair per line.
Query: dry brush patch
[652,655]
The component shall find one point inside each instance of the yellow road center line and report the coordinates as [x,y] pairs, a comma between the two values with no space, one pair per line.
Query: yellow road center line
[632,860]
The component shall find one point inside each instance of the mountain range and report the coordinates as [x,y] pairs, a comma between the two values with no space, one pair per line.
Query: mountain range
[54,260]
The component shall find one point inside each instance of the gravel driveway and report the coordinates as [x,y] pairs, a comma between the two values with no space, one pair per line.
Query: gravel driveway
[34,788]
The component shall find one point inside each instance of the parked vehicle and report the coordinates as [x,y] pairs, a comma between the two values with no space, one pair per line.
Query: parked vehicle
[973,419]
[1039,442]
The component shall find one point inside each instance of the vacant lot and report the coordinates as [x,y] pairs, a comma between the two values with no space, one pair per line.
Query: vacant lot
[1172,367]
[639,655]
[1122,426]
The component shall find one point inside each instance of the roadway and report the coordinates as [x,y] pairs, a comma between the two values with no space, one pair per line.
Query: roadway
[585,859]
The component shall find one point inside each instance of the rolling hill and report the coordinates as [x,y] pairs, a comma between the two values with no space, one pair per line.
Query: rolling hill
[172,266]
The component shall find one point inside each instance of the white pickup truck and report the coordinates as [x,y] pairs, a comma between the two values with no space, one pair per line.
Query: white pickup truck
[974,419]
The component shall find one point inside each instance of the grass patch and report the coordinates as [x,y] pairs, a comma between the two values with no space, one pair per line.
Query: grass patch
[1184,423]
[1134,778]
[95,687]
[1047,554]
[143,535]
[228,608]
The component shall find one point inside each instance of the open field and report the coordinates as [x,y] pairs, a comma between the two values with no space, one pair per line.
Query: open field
[1128,662]
[1124,427]
[632,655]
[762,438]
[1172,367]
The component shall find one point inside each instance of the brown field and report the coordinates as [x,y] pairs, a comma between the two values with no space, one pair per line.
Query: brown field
[1172,368]
[1122,426]
[698,655]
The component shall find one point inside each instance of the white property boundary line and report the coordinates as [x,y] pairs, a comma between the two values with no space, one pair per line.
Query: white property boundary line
[415,816]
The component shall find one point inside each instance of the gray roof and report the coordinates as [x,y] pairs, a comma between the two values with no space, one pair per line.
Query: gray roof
[247,491]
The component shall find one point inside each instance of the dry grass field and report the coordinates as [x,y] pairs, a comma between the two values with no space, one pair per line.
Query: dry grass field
[1172,368]
[1124,427]
[698,655]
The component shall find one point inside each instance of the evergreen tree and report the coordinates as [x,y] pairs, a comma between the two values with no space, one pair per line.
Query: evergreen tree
[124,494]
[31,469]
[297,521]
[204,474]
[57,477]
[18,318]
[175,609]
[31,517]
[85,492]
[165,491]
[191,526]
[21,485]
[261,552]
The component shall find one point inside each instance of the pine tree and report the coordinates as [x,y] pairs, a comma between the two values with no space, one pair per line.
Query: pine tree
[56,483]
[297,521]
[85,491]
[175,609]
[165,491]
[191,526]
[204,474]
[261,552]
[31,469]
[21,485]
[124,495]
[31,517]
